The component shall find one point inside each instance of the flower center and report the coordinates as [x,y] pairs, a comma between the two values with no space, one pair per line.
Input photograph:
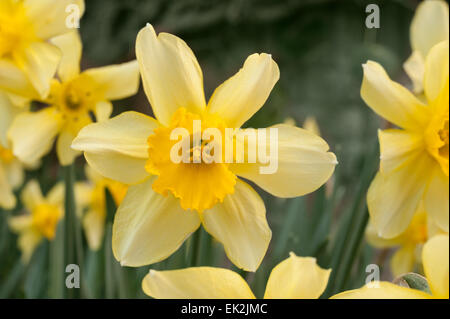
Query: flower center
[16,31]
[45,219]
[196,179]
[6,155]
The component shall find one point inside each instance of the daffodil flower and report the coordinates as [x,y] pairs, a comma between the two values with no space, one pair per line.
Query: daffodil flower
[429,27]
[40,218]
[27,60]
[94,200]
[71,101]
[166,202]
[435,264]
[408,244]
[414,157]
[293,278]
[10,106]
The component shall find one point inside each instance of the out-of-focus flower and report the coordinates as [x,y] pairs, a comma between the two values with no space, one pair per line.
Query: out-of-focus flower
[94,200]
[71,102]
[40,218]
[428,28]
[293,278]
[414,158]
[409,244]
[11,177]
[435,264]
[27,60]
[168,201]
[311,125]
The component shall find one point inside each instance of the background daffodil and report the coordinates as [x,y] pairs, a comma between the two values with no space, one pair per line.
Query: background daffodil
[414,158]
[27,60]
[435,263]
[166,201]
[429,27]
[293,278]
[71,101]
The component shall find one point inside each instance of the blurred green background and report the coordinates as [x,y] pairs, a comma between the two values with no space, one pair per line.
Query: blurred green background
[319,46]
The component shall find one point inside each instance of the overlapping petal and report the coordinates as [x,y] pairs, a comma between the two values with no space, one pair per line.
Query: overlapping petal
[196,283]
[303,163]
[435,256]
[240,224]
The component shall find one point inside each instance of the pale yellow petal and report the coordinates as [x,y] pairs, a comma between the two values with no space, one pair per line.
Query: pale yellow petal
[149,227]
[384,290]
[14,80]
[429,25]
[7,198]
[40,62]
[415,68]
[27,242]
[240,224]
[302,163]
[196,283]
[15,173]
[437,199]
[56,195]
[71,48]
[393,198]
[32,133]
[116,81]
[8,111]
[66,154]
[403,260]
[50,17]
[391,100]
[94,227]
[397,147]
[297,278]
[436,72]
[20,223]
[379,242]
[31,195]
[435,264]
[103,110]
[117,148]
[171,75]
[241,96]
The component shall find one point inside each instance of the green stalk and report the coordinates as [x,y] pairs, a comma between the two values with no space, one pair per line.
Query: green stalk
[13,280]
[74,253]
[57,271]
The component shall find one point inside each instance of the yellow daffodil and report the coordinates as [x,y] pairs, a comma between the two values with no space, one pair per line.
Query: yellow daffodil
[429,27]
[71,101]
[408,244]
[94,199]
[293,278]
[167,201]
[40,219]
[10,106]
[414,157]
[27,60]
[435,264]
[11,177]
